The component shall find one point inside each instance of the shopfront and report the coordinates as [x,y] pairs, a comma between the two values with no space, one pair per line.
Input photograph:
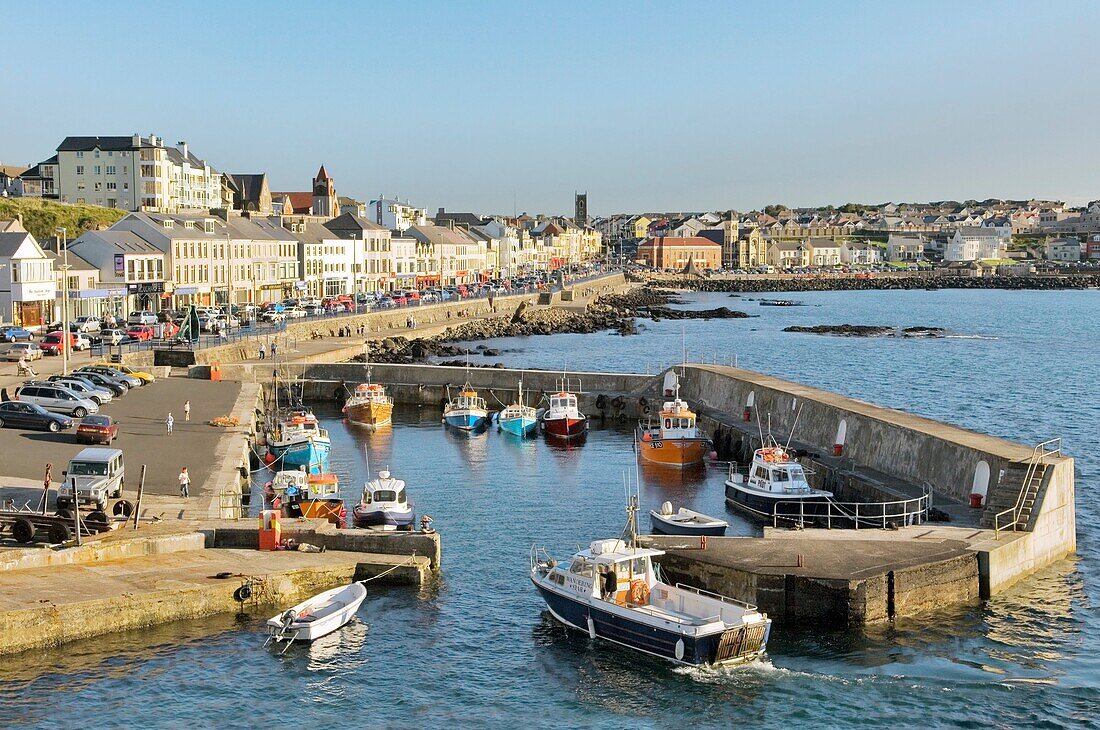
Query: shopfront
[32,303]
[145,296]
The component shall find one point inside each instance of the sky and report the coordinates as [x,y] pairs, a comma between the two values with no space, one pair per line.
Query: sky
[499,106]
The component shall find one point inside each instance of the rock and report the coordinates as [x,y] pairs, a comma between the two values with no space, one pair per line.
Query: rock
[489,352]
[767,284]
[843,330]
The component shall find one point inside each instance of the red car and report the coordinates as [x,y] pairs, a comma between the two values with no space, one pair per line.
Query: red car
[52,343]
[141,333]
[97,429]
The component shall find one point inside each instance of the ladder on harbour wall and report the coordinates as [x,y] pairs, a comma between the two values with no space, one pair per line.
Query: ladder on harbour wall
[1015,515]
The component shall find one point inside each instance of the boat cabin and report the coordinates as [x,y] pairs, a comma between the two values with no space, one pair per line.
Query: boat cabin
[384,489]
[294,481]
[606,570]
[370,392]
[322,486]
[563,402]
[773,469]
[469,400]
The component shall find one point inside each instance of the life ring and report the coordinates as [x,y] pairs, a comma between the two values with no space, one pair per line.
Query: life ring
[601,401]
[645,410]
[618,402]
[243,593]
[639,592]
[643,401]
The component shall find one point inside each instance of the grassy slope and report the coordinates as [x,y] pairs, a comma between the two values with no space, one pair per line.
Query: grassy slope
[40,217]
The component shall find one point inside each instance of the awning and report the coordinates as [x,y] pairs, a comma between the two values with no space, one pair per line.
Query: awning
[88,294]
[186,290]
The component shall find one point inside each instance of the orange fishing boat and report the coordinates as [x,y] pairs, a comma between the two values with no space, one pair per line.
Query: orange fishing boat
[298,494]
[369,406]
[673,439]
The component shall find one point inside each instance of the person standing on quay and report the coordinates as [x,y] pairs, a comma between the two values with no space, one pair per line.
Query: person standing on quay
[262,351]
[185,482]
[274,345]
[169,422]
[186,410]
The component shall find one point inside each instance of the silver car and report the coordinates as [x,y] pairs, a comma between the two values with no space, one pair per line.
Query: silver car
[86,388]
[56,398]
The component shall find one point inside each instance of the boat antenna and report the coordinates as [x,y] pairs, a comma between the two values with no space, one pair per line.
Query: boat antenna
[366,458]
[791,435]
[760,430]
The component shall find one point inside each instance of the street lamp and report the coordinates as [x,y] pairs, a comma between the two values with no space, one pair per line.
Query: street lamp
[66,339]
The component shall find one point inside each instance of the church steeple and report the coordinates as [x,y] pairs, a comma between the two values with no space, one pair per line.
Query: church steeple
[324,195]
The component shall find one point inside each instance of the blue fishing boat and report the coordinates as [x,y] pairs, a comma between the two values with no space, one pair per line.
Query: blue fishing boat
[467,412]
[298,440]
[519,419]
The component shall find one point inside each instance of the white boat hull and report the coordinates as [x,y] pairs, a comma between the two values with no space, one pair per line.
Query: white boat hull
[318,616]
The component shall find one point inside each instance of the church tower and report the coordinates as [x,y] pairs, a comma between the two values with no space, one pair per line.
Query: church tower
[580,209]
[324,195]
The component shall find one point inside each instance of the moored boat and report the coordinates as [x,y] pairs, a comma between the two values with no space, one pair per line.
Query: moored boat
[518,419]
[685,522]
[562,419]
[384,505]
[673,439]
[297,439]
[318,616]
[775,487]
[612,591]
[467,411]
[369,406]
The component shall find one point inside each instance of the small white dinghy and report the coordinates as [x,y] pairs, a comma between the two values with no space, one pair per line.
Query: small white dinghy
[685,522]
[318,616]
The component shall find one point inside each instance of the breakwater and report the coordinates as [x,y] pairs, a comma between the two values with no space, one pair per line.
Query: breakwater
[802,283]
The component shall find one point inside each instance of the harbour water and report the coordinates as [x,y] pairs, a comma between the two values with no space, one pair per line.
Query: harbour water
[476,649]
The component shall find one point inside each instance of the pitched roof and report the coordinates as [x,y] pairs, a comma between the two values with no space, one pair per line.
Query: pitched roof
[84,144]
[677,242]
[11,241]
[248,185]
[299,202]
[349,222]
[123,241]
[12,170]
[322,174]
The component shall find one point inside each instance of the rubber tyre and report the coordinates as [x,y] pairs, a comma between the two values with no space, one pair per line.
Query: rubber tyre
[601,401]
[66,514]
[22,530]
[2,422]
[54,427]
[99,516]
[80,412]
[60,533]
[122,508]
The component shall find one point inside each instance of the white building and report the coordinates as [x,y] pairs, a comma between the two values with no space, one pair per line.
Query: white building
[131,270]
[977,244]
[1066,249]
[135,173]
[28,284]
[904,248]
[397,216]
[860,253]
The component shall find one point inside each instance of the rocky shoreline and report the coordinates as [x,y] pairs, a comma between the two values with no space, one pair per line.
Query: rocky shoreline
[867,330]
[924,281]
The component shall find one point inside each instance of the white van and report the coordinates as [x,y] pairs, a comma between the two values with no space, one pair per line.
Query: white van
[98,474]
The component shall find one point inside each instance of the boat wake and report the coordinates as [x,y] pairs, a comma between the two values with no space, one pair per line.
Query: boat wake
[759,669]
[971,337]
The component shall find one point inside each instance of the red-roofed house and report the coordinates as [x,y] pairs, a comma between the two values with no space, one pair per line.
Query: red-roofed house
[667,252]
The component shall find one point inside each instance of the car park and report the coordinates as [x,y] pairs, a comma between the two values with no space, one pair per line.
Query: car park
[141,375]
[18,414]
[272,315]
[56,398]
[14,334]
[97,473]
[113,337]
[19,350]
[294,313]
[101,390]
[97,429]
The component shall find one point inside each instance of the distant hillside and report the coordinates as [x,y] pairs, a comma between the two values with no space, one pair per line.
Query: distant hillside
[40,217]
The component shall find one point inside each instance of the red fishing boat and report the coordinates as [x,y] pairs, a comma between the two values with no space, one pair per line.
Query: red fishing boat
[563,419]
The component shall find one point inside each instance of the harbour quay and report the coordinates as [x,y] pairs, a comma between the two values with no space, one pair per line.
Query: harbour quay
[189,557]
[949,516]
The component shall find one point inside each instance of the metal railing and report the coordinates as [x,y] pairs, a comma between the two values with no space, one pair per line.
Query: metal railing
[877,515]
[718,596]
[1050,447]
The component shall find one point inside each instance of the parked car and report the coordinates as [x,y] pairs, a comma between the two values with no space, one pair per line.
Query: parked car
[294,313]
[117,387]
[13,334]
[141,318]
[273,316]
[87,324]
[313,310]
[53,343]
[111,372]
[99,393]
[56,398]
[97,429]
[91,392]
[98,473]
[141,375]
[113,337]
[16,414]
[141,332]
[23,349]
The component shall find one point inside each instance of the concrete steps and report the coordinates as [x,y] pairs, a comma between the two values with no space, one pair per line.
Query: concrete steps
[1007,496]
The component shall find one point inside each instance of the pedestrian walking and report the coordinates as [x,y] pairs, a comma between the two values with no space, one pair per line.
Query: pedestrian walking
[274,345]
[169,422]
[187,410]
[263,352]
[185,482]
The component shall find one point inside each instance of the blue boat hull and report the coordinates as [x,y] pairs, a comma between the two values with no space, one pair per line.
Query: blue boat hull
[633,634]
[465,421]
[519,426]
[381,518]
[312,454]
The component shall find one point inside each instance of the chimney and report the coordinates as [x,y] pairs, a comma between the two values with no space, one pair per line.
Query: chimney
[182,147]
[135,141]
[440,213]
[153,139]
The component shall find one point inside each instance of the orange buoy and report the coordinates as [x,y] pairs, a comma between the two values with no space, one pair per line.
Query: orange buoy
[269,458]
[646,437]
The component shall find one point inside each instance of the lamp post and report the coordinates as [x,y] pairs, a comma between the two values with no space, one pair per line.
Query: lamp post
[66,338]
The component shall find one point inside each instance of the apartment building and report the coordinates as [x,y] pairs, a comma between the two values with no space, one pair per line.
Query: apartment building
[135,173]
[371,250]
[131,270]
[391,213]
[973,244]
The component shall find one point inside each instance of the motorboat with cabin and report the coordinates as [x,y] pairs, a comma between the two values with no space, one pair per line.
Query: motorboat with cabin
[685,521]
[775,487]
[318,616]
[673,439]
[467,411]
[297,439]
[613,590]
[563,419]
[385,505]
[296,493]
[369,406]
[518,419]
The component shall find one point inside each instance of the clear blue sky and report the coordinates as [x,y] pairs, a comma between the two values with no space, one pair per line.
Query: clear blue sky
[648,106]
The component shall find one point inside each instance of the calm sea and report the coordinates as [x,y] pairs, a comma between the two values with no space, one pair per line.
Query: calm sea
[475,648]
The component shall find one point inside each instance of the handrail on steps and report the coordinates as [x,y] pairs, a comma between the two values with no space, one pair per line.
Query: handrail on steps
[1040,452]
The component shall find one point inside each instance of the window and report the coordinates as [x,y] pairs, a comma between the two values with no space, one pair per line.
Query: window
[97,154]
[112,186]
[97,168]
[110,169]
[80,154]
[80,169]
[98,186]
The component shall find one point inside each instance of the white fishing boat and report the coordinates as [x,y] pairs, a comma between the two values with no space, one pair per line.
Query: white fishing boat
[685,521]
[318,616]
[776,485]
